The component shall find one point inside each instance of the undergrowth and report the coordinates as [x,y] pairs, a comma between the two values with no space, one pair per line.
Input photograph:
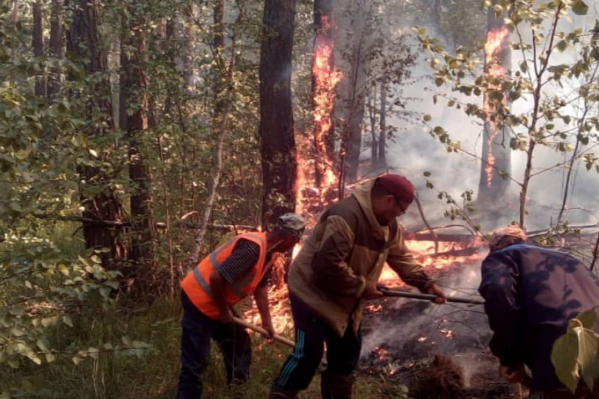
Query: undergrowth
[115,375]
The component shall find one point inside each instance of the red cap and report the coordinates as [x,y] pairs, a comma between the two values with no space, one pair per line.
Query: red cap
[401,188]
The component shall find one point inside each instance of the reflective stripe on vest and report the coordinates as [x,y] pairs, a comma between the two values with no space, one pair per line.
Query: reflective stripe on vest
[238,287]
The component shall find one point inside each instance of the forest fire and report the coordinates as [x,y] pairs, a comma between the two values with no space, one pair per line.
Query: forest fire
[495,70]
[449,254]
[316,178]
[326,77]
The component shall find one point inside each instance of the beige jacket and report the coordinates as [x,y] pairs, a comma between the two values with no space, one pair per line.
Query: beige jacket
[347,248]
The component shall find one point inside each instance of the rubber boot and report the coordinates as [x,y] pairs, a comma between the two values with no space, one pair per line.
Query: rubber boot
[278,393]
[337,386]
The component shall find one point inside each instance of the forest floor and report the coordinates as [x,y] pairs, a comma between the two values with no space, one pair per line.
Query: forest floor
[115,376]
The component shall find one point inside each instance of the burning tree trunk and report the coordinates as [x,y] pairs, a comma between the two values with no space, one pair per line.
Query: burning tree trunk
[496,154]
[133,119]
[276,112]
[56,44]
[38,46]
[103,205]
[324,81]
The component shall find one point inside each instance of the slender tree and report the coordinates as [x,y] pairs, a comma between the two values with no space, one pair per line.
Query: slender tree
[38,45]
[99,200]
[134,120]
[56,47]
[276,113]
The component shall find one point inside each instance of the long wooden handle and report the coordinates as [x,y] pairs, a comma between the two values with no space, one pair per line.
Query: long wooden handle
[415,295]
[262,331]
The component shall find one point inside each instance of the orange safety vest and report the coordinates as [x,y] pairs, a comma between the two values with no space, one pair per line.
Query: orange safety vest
[197,282]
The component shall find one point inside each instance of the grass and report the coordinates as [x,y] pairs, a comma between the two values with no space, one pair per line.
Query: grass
[116,376]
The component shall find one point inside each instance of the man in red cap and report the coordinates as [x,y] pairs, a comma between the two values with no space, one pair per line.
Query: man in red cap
[333,276]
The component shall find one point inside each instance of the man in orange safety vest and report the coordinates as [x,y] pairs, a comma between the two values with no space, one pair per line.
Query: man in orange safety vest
[233,271]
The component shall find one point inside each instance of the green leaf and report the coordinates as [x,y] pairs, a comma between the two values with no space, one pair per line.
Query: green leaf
[126,341]
[50,357]
[96,259]
[588,319]
[42,343]
[588,359]
[579,7]
[564,357]
[15,207]
[427,118]
[93,352]
[562,45]
[17,332]
[105,292]
[13,363]
[67,320]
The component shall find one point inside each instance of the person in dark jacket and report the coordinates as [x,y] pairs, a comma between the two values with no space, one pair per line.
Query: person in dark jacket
[531,293]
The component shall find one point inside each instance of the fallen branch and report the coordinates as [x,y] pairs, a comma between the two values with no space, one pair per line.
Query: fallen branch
[159,225]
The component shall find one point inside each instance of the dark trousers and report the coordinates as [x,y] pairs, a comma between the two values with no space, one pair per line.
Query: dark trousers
[198,329]
[311,333]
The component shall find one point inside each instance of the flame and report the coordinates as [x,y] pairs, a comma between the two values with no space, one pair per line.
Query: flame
[375,308]
[424,251]
[326,77]
[382,353]
[313,158]
[496,41]
[296,250]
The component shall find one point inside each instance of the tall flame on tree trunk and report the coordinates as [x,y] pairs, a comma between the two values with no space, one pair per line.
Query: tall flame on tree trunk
[325,77]
[493,47]
[316,177]
[496,144]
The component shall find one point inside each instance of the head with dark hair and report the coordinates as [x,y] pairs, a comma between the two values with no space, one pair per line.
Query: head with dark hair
[391,196]
[286,232]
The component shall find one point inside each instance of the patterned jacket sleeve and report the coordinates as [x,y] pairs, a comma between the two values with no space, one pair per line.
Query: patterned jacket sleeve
[498,287]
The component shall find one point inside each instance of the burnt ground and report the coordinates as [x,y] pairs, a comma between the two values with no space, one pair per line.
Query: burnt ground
[438,352]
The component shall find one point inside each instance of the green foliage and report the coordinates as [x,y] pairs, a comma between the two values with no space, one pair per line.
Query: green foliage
[576,353]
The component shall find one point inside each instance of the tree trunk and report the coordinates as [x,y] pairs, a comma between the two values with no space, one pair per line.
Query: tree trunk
[352,139]
[219,128]
[189,48]
[219,48]
[56,43]
[374,151]
[279,165]
[382,160]
[84,46]
[38,46]
[133,111]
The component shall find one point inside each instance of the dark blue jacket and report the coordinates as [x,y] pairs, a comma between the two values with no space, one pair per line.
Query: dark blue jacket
[531,293]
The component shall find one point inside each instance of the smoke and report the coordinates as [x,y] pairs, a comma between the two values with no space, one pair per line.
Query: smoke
[411,328]
[414,151]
